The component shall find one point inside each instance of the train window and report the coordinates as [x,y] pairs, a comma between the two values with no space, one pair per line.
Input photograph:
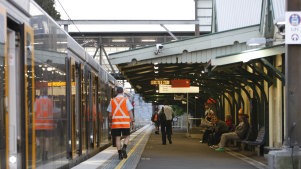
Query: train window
[75,116]
[50,140]
[83,106]
[94,120]
[99,115]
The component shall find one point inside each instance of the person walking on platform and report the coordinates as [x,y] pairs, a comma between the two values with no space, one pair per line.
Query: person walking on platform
[156,121]
[166,114]
[121,116]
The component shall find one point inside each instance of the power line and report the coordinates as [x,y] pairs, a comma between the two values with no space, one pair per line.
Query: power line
[70,17]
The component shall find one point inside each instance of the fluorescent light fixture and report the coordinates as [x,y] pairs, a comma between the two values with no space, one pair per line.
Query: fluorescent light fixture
[148,40]
[38,43]
[118,40]
[156,71]
[61,42]
[156,67]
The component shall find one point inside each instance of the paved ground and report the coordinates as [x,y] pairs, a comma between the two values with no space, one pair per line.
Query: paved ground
[186,153]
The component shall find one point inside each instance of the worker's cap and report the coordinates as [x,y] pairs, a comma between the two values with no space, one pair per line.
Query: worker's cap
[119,89]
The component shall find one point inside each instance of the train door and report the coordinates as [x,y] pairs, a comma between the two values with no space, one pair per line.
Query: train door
[29,81]
[83,143]
[16,48]
[75,108]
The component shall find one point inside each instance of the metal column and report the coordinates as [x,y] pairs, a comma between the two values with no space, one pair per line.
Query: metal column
[293,83]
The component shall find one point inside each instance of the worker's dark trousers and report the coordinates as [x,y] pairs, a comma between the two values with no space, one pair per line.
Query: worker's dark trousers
[166,129]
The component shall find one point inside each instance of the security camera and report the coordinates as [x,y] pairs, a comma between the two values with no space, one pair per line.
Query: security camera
[159,48]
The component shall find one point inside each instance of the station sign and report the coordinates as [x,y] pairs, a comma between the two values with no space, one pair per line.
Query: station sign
[160,82]
[180,83]
[169,89]
[293,27]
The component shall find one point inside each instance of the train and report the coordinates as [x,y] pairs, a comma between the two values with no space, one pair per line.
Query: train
[41,63]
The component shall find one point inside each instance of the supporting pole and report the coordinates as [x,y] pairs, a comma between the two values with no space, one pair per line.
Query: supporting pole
[187,114]
[197,26]
[171,34]
[104,51]
[66,28]
[293,83]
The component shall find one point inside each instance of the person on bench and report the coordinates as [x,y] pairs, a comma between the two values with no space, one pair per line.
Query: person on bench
[239,133]
[220,127]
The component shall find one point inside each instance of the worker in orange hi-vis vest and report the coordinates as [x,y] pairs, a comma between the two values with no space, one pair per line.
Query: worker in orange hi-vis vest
[43,123]
[121,116]
[156,121]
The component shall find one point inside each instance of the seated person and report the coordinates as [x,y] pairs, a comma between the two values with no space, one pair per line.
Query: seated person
[208,112]
[229,122]
[220,127]
[209,130]
[239,133]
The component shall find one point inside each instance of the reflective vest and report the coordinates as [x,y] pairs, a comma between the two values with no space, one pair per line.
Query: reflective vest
[156,117]
[120,114]
[44,114]
[94,112]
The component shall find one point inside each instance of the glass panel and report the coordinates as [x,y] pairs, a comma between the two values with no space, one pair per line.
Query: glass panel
[74,109]
[29,96]
[50,91]
[94,95]
[2,89]
[83,102]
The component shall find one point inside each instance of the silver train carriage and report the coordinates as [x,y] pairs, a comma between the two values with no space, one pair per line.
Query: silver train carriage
[41,63]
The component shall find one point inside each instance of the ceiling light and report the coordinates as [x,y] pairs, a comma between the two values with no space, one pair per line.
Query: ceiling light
[156,63]
[156,67]
[148,40]
[156,71]
[203,71]
[157,91]
[118,40]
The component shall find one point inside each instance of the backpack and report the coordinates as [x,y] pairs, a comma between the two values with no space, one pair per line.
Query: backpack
[162,116]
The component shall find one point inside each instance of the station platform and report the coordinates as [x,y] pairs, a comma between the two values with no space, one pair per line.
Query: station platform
[145,151]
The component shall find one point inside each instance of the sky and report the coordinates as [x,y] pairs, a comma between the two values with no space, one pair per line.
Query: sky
[128,10]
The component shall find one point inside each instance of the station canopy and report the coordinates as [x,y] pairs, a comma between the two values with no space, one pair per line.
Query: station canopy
[217,63]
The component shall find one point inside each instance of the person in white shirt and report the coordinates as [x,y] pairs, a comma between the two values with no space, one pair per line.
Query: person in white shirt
[166,115]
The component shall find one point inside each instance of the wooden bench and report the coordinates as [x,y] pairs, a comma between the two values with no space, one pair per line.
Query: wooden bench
[259,140]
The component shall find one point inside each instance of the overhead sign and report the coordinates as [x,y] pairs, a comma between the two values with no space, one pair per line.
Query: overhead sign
[169,89]
[292,28]
[180,83]
[160,82]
